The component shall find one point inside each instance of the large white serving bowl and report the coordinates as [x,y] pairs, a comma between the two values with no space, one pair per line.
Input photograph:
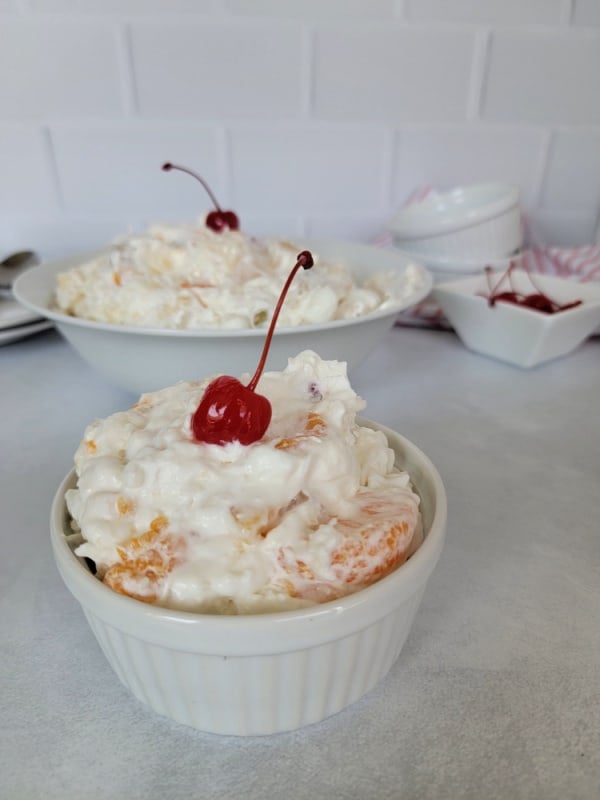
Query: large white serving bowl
[145,359]
[260,673]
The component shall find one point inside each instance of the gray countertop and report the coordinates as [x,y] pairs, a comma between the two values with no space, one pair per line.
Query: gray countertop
[496,692]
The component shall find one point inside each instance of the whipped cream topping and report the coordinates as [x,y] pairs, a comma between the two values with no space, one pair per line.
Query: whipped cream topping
[189,277]
[313,511]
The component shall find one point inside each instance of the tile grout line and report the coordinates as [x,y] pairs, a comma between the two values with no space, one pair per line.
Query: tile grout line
[597,228]
[53,165]
[396,158]
[125,60]
[388,159]
[541,171]
[568,12]
[224,149]
[308,73]
[400,10]
[479,74]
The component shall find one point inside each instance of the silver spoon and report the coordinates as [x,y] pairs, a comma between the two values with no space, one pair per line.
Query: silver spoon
[13,265]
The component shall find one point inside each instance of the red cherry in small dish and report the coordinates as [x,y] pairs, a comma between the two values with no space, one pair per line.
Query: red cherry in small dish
[536,301]
[507,297]
[217,220]
[540,303]
[231,412]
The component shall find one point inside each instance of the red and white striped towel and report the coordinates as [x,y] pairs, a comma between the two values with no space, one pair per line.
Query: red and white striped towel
[580,264]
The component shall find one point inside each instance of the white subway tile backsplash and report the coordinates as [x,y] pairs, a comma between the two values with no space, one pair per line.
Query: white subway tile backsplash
[317,116]
[303,169]
[26,184]
[351,228]
[113,169]
[217,70]
[573,173]
[397,74]
[272,224]
[51,69]
[561,228]
[487,12]
[313,9]
[54,236]
[543,77]
[445,158]
[586,12]
[123,6]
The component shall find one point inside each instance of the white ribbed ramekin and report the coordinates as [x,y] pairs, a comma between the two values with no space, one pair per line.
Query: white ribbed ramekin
[260,673]
[469,223]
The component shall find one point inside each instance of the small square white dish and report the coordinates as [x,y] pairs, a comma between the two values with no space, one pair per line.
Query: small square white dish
[518,335]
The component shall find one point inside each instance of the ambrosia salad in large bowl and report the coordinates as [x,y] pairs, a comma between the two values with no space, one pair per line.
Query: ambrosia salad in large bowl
[154,305]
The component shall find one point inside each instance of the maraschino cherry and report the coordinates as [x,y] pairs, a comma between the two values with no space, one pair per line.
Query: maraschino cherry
[537,301]
[216,220]
[232,412]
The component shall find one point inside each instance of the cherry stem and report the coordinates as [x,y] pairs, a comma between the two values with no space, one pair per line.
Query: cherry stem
[510,272]
[168,167]
[555,306]
[305,260]
[494,290]
[521,299]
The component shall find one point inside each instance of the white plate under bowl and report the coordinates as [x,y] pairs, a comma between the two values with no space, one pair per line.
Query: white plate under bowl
[8,335]
[13,313]
[145,359]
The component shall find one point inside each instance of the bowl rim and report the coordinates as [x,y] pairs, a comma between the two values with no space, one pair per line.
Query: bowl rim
[24,283]
[240,634]
[440,213]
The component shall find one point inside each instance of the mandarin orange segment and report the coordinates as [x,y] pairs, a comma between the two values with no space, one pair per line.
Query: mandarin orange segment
[158,523]
[261,523]
[146,560]
[124,506]
[315,423]
[195,285]
[314,426]
[375,542]
[304,570]
[143,401]
[284,444]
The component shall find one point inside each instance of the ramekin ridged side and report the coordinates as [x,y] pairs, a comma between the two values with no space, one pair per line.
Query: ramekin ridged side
[257,694]
[493,238]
